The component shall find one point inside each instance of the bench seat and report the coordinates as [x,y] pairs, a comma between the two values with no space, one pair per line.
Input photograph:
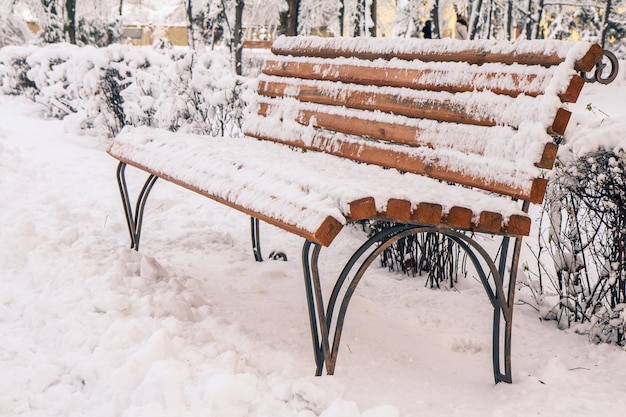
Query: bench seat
[315,205]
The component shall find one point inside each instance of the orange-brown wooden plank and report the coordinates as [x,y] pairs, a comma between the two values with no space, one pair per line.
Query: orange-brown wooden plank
[401,160]
[257,44]
[425,108]
[561,120]
[442,110]
[398,210]
[460,217]
[538,190]
[590,59]
[417,79]
[575,86]
[388,132]
[427,213]
[548,156]
[473,54]
[324,235]
[398,133]
[489,221]
[518,225]
[364,208]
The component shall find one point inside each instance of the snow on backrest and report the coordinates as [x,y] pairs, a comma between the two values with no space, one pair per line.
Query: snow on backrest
[478,113]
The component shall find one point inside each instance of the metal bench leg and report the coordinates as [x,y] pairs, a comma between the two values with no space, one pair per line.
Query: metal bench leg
[327,321]
[256,239]
[134,219]
[508,311]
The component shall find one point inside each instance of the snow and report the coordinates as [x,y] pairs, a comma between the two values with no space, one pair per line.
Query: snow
[570,50]
[241,171]
[530,79]
[192,326]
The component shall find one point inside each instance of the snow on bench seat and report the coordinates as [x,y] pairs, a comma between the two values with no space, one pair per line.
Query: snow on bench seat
[309,194]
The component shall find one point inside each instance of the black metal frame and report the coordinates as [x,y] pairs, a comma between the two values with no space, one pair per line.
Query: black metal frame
[323,320]
[134,219]
[598,75]
[326,321]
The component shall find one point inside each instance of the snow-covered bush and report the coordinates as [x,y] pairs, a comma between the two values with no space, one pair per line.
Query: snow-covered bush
[14,68]
[581,264]
[97,31]
[102,89]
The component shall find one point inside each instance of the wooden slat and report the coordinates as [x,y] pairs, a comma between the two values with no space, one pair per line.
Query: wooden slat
[389,132]
[473,54]
[398,133]
[460,217]
[590,59]
[571,94]
[401,160]
[426,108]
[518,225]
[398,210]
[510,84]
[324,235]
[548,156]
[257,44]
[427,213]
[561,120]
[364,208]
[538,190]
[489,221]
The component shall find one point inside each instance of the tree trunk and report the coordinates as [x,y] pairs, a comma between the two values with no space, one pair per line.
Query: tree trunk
[434,16]
[238,36]
[373,17]
[292,17]
[509,20]
[70,27]
[474,19]
[357,19]
[190,36]
[538,16]
[605,23]
[121,4]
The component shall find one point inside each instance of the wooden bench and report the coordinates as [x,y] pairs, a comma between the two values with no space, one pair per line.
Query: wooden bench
[436,136]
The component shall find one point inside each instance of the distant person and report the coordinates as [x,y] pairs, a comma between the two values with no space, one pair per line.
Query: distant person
[460,28]
[427,30]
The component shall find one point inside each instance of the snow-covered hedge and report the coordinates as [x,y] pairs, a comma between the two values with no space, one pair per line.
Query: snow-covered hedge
[581,259]
[126,85]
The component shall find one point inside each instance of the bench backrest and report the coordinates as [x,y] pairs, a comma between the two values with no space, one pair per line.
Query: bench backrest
[481,114]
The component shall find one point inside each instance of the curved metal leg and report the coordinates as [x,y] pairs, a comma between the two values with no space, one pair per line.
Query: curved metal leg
[134,219]
[327,321]
[256,239]
[255,234]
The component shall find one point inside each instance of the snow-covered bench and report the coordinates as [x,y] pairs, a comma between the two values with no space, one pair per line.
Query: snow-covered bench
[463,131]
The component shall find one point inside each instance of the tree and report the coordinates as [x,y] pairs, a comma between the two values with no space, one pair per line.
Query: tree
[70,26]
[237,40]
[293,10]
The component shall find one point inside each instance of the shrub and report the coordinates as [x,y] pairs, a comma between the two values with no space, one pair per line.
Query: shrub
[126,85]
[580,276]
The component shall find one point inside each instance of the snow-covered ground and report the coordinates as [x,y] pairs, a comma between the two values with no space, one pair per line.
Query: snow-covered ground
[193,326]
